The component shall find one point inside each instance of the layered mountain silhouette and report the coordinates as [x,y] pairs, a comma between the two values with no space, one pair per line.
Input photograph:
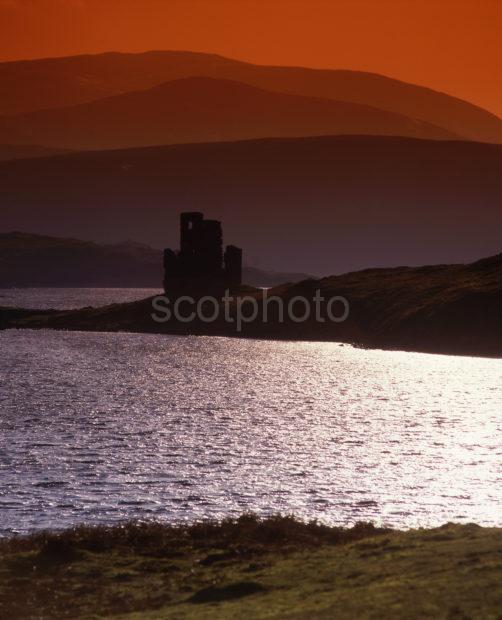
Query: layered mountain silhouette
[203,110]
[28,260]
[316,205]
[61,82]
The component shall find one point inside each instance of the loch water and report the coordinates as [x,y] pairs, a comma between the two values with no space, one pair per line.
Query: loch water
[104,427]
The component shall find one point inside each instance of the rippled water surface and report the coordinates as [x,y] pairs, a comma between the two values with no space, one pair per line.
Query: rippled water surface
[103,427]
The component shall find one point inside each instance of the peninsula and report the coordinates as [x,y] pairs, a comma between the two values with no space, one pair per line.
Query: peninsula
[450,309]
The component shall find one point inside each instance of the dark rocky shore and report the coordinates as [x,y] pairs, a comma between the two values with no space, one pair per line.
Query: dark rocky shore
[451,309]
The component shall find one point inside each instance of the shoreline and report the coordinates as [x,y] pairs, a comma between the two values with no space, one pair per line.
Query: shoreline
[256,568]
[354,345]
[440,309]
[114,319]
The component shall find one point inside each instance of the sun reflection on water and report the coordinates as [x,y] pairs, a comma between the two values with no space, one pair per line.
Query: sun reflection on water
[102,427]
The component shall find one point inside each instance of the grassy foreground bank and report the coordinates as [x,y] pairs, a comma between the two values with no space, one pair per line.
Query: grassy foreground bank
[251,568]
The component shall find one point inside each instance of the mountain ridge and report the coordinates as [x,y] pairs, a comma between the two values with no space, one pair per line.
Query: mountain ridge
[27,151]
[75,79]
[203,109]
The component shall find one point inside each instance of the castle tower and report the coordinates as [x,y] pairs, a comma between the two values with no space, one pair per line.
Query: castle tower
[233,266]
[200,267]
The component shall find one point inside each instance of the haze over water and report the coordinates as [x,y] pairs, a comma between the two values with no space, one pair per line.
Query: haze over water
[99,428]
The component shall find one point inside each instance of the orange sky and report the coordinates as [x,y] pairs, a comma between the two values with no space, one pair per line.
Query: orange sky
[450,45]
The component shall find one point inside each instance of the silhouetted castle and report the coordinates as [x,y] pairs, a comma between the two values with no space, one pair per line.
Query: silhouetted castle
[200,266]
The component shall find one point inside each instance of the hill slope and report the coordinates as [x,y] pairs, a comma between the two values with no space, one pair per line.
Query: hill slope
[320,205]
[203,110]
[59,82]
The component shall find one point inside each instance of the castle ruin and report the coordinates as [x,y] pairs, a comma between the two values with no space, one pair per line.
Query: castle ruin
[200,267]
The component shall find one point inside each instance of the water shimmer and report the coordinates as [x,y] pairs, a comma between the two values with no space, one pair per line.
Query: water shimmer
[98,428]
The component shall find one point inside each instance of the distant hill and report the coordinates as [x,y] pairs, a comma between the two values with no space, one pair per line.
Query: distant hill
[23,151]
[58,82]
[320,205]
[37,260]
[203,110]
[454,309]
[28,260]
